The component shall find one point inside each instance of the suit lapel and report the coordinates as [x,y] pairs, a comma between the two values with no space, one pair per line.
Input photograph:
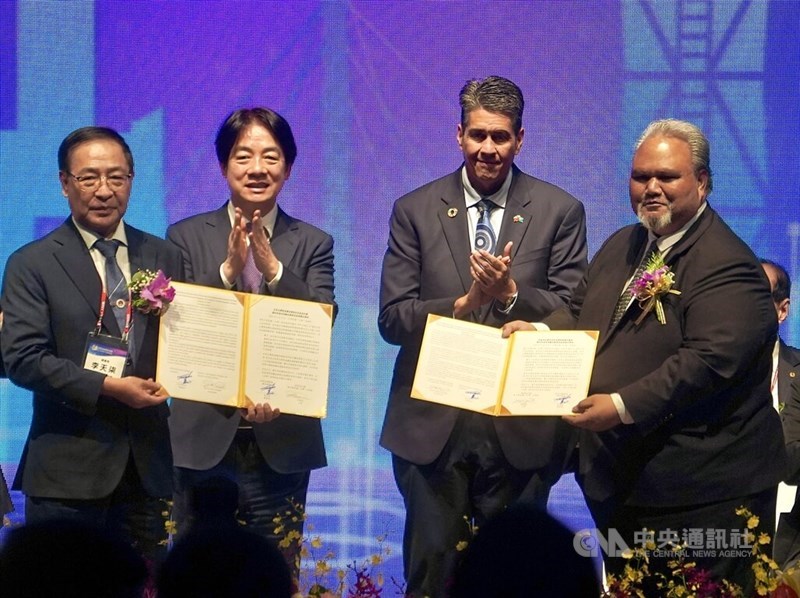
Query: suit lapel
[73,256]
[284,239]
[622,268]
[517,216]
[218,226]
[788,370]
[452,215]
[141,257]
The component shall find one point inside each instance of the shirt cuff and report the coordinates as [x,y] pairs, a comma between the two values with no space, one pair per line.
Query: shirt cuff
[272,285]
[225,282]
[624,416]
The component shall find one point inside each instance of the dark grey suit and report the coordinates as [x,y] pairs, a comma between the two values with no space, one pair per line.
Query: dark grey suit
[80,441]
[787,538]
[201,432]
[425,269]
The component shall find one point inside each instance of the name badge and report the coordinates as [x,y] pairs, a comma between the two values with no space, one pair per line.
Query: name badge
[105,354]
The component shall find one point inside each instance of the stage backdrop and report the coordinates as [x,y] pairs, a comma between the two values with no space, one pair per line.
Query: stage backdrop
[371,91]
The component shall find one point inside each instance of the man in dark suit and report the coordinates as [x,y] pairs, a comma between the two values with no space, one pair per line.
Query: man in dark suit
[678,429]
[455,467]
[785,370]
[98,447]
[257,458]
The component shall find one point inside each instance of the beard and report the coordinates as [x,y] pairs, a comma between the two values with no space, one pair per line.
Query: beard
[653,222]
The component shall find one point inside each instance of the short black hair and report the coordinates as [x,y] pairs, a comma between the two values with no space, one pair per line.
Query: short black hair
[238,120]
[85,134]
[783,283]
[493,94]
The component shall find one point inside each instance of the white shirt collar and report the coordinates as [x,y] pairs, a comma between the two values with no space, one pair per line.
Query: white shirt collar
[89,237]
[268,219]
[666,242]
[471,197]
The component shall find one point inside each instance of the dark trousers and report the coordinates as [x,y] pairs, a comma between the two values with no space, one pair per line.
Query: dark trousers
[128,512]
[244,489]
[469,482]
[713,529]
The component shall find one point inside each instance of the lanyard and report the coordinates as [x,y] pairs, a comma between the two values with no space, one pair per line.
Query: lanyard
[102,310]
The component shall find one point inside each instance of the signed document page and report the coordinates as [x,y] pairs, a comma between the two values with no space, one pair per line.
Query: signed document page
[234,349]
[460,364]
[200,345]
[548,371]
[289,354]
[470,366]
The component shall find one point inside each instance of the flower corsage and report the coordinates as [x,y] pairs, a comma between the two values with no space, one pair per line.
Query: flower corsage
[151,292]
[655,282]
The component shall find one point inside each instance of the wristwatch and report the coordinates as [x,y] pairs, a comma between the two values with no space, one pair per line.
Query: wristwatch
[510,302]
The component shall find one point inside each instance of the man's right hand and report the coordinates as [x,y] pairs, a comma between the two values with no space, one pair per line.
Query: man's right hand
[134,392]
[237,248]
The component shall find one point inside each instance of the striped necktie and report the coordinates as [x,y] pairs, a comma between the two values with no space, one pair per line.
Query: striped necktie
[625,298]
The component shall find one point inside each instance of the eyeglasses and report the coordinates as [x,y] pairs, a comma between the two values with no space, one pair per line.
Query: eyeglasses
[92,182]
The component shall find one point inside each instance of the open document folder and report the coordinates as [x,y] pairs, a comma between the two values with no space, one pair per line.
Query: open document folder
[232,348]
[470,366]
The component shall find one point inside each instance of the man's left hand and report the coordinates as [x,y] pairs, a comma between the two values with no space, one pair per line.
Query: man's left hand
[596,413]
[493,273]
[266,261]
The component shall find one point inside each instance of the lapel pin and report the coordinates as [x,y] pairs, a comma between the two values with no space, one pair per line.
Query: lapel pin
[120,303]
[451,213]
[792,374]
[518,218]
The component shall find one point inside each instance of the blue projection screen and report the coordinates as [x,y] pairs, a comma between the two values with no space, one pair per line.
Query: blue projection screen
[371,91]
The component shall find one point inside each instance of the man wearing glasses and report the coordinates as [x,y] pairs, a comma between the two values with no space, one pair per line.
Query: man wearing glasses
[98,447]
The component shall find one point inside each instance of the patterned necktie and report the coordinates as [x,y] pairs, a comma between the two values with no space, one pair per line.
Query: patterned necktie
[484,233]
[251,277]
[625,299]
[116,285]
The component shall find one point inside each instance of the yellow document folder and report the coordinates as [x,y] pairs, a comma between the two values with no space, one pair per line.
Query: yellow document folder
[231,348]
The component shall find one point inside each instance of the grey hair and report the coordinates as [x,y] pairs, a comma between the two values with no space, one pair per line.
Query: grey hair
[692,135]
[493,94]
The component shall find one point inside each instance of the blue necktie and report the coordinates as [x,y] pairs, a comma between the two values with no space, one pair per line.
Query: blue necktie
[484,233]
[116,285]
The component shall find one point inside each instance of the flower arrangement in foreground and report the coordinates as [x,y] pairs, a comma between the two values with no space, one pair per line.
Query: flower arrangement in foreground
[686,580]
[655,282]
[357,580]
[151,292]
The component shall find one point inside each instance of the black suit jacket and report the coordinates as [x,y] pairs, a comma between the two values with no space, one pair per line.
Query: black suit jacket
[696,387]
[80,440]
[426,268]
[787,537]
[201,432]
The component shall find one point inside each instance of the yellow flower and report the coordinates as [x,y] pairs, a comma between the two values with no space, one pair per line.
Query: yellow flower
[752,522]
[462,545]
[316,542]
[375,559]
[170,526]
